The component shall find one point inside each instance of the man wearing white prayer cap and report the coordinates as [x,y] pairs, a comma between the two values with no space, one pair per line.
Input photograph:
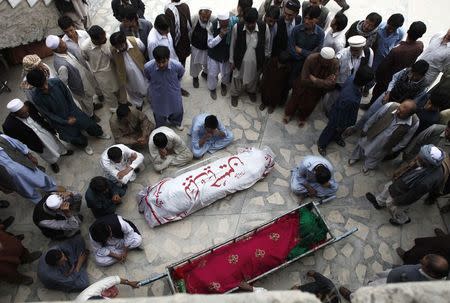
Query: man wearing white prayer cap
[352,57]
[74,73]
[425,174]
[317,78]
[26,125]
[218,54]
[201,23]
[57,216]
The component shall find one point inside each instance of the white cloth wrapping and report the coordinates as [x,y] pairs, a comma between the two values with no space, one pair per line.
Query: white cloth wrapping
[172,199]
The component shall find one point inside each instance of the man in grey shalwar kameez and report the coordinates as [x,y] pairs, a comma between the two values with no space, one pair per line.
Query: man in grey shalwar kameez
[388,131]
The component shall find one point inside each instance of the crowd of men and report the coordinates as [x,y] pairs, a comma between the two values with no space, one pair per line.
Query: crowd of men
[294,55]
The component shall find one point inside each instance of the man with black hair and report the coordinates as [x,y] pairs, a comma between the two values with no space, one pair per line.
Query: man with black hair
[388,131]
[389,35]
[77,10]
[324,19]
[367,28]
[97,52]
[431,268]
[271,19]
[344,111]
[208,135]
[111,238]
[74,73]
[335,36]
[322,287]
[167,149]
[74,38]
[179,17]
[103,196]
[266,4]
[54,100]
[400,57]
[290,18]
[63,268]
[201,24]
[164,75]
[130,126]
[437,54]
[120,164]
[428,109]
[406,84]
[132,25]
[250,41]
[305,39]
[120,7]
[313,177]
[160,36]
[128,56]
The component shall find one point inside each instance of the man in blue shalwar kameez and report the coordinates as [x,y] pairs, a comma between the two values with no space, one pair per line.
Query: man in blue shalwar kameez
[208,135]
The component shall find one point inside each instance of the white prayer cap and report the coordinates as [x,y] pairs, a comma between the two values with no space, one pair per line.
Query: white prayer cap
[14,105]
[327,53]
[436,153]
[52,42]
[223,16]
[205,7]
[53,201]
[357,41]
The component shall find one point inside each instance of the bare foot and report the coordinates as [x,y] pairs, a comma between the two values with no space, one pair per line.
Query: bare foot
[301,123]
[286,119]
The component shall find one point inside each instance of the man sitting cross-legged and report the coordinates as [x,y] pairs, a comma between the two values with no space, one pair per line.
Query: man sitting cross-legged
[208,135]
[166,148]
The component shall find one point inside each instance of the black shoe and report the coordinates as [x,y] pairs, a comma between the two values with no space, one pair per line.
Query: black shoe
[322,151]
[55,168]
[371,198]
[204,75]
[41,168]
[262,107]
[7,222]
[137,170]
[223,89]
[195,83]
[213,94]
[430,200]
[69,153]
[20,237]
[97,106]
[4,204]
[101,98]
[252,97]
[139,108]
[395,223]
[365,106]
[184,93]
[340,142]
[234,101]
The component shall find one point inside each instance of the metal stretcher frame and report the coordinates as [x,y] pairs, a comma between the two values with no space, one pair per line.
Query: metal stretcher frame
[312,205]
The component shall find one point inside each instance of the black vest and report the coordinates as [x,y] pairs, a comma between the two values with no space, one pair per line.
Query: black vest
[280,41]
[199,38]
[220,52]
[113,222]
[241,45]
[365,59]
[40,214]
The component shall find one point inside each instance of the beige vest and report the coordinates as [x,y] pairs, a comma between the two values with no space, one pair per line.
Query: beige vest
[134,53]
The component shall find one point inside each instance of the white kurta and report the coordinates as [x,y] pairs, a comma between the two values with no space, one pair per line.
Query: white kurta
[137,84]
[199,58]
[112,169]
[215,67]
[437,55]
[348,65]
[53,148]
[131,239]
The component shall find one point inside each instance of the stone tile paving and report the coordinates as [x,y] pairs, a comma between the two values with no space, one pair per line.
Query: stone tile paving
[352,261]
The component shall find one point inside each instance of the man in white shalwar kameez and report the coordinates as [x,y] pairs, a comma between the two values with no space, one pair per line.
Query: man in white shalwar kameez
[25,124]
[167,148]
[21,165]
[120,163]
[73,73]
[111,238]
[128,56]
[247,68]
[219,55]
[201,23]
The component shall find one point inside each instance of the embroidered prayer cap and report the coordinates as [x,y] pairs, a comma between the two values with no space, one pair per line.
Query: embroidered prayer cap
[205,7]
[431,154]
[357,41]
[14,105]
[223,16]
[293,5]
[53,201]
[30,62]
[327,53]
[52,42]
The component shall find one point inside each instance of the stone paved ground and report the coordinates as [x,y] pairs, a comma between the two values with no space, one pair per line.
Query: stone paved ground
[352,261]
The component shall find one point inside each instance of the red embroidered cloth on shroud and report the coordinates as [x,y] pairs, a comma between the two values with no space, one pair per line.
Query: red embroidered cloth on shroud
[226,267]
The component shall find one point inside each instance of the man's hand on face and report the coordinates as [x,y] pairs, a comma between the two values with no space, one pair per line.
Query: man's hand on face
[71,120]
